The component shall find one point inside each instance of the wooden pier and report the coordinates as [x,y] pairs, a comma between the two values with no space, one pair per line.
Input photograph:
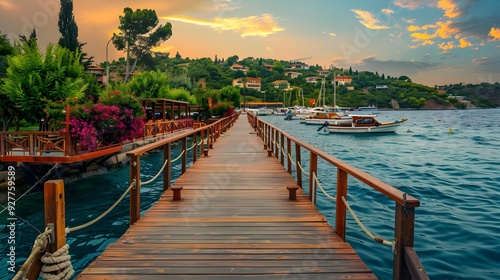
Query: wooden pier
[234,220]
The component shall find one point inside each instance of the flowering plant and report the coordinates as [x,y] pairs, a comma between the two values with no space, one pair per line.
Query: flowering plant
[119,120]
[222,109]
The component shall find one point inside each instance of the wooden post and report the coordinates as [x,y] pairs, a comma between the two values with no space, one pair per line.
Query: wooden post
[195,150]
[167,175]
[135,192]
[297,165]
[292,192]
[288,158]
[276,143]
[404,230]
[313,169]
[340,218]
[184,155]
[282,146]
[53,197]
[67,139]
[177,193]
[55,218]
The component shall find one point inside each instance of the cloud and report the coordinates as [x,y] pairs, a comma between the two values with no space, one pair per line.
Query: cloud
[413,4]
[388,11]
[464,43]
[450,8]
[477,27]
[6,4]
[261,26]
[402,67]
[332,34]
[487,64]
[368,20]
[495,33]
[446,46]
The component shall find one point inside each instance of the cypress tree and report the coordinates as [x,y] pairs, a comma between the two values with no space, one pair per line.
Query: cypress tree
[68,27]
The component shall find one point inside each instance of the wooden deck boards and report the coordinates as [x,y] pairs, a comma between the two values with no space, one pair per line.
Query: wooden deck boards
[235,221]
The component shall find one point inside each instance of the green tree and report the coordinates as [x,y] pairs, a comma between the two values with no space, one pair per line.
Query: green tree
[138,34]
[232,94]
[33,80]
[68,27]
[149,84]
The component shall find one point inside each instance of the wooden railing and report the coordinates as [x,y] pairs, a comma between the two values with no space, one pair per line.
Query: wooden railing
[406,263]
[202,138]
[32,143]
[164,127]
[46,143]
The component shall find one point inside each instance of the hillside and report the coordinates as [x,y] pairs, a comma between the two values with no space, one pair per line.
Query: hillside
[284,81]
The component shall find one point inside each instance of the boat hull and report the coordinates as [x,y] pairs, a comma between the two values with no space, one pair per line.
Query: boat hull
[387,128]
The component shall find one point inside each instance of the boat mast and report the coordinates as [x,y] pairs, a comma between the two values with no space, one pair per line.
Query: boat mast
[334,91]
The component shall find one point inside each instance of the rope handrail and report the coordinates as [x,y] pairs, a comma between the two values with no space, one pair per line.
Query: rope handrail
[30,189]
[39,246]
[192,147]
[371,235]
[290,158]
[302,169]
[161,169]
[68,230]
[321,188]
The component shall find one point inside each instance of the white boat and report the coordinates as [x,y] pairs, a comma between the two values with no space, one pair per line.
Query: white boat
[362,124]
[368,110]
[264,111]
[320,118]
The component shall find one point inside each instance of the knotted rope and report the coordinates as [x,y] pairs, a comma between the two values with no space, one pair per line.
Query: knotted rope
[40,245]
[60,261]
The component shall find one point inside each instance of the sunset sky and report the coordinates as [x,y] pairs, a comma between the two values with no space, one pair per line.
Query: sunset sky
[434,42]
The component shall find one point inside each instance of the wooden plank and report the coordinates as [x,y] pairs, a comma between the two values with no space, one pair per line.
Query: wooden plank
[234,221]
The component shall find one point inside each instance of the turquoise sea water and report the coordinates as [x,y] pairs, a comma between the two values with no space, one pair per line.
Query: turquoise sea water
[455,176]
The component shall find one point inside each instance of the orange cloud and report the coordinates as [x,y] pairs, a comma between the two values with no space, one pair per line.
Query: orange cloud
[332,34]
[388,11]
[495,33]
[6,4]
[450,8]
[261,26]
[446,46]
[423,36]
[445,30]
[413,28]
[464,43]
[368,20]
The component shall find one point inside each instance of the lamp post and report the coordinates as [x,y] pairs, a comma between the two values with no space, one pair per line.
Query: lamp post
[107,60]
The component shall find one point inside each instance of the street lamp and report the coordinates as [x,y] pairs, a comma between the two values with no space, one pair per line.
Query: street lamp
[107,61]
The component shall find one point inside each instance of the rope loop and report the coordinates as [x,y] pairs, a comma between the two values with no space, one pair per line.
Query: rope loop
[60,261]
[40,245]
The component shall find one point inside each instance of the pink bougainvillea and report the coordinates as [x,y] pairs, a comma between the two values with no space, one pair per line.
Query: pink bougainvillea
[103,124]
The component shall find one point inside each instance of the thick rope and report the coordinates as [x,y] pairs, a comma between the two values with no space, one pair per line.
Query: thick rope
[159,172]
[321,188]
[290,158]
[30,189]
[192,147]
[371,235]
[68,230]
[302,169]
[60,261]
[39,246]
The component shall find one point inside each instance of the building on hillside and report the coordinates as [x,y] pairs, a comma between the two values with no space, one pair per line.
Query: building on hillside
[238,67]
[313,80]
[268,67]
[282,84]
[324,72]
[381,87]
[299,66]
[293,74]
[98,72]
[342,80]
[253,83]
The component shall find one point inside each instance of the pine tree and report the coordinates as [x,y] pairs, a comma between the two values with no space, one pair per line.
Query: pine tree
[68,27]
